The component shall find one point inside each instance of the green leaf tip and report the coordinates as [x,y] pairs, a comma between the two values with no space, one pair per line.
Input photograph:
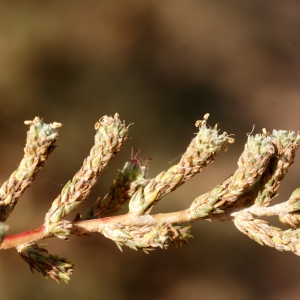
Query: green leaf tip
[49,265]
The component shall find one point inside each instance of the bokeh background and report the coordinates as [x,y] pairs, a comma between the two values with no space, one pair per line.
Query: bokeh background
[161,65]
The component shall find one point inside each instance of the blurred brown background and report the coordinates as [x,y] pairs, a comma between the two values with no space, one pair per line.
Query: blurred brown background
[161,65]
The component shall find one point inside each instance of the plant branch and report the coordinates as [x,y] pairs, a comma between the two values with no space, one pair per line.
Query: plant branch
[183,216]
[110,136]
[241,198]
[41,140]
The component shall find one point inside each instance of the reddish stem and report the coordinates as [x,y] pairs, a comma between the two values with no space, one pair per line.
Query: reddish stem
[29,236]
[40,233]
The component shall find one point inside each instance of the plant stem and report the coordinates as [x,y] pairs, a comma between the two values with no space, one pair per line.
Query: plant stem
[14,240]
[183,216]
